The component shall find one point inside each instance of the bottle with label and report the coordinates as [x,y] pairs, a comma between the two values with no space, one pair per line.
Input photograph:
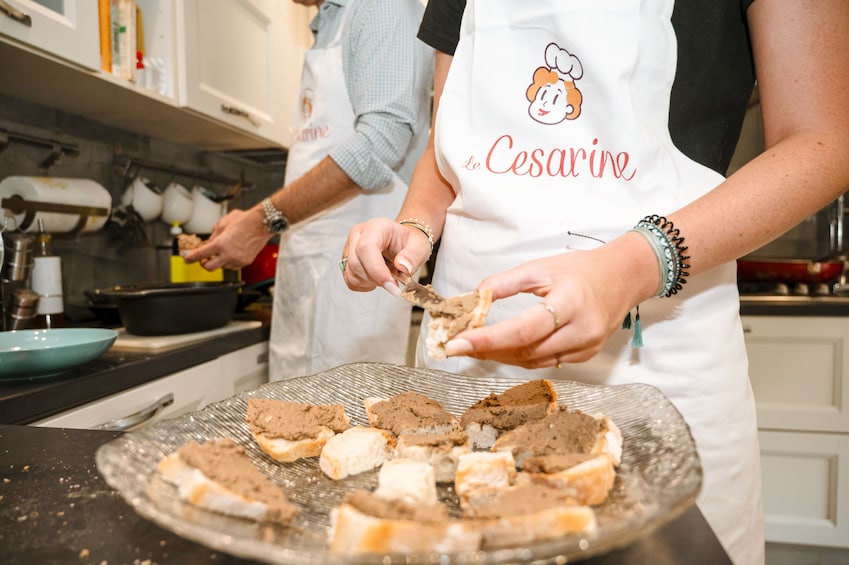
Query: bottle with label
[47,282]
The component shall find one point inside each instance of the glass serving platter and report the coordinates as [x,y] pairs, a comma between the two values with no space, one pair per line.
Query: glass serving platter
[659,477]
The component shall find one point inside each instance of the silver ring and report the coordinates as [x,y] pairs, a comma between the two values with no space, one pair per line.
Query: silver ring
[343,262]
[553,314]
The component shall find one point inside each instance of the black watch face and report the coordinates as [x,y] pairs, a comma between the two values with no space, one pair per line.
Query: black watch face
[277,225]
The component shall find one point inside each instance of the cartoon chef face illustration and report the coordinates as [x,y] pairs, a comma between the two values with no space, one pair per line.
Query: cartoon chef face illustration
[552,94]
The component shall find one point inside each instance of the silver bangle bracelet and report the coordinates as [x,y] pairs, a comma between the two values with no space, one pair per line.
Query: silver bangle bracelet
[421,226]
[668,245]
[659,253]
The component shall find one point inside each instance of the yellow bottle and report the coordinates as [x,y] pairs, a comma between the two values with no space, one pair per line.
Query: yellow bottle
[182,272]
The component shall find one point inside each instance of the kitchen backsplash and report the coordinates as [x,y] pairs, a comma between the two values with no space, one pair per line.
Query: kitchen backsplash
[116,255]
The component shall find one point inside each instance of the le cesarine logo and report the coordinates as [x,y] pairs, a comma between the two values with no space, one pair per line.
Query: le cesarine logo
[554,98]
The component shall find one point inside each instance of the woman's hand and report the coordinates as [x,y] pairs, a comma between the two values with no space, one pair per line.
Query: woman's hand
[585,297]
[235,242]
[378,248]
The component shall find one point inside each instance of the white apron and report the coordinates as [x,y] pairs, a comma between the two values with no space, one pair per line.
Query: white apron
[318,323]
[533,161]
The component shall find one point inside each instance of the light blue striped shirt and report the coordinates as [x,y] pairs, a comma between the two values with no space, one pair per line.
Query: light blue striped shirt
[384,65]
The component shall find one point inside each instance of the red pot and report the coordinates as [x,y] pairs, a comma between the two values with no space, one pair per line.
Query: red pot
[788,270]
[261,272]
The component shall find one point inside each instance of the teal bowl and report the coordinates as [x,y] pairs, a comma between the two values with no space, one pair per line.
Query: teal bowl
[26,354]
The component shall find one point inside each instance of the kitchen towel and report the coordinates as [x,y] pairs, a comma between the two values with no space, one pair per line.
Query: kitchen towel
[68,191]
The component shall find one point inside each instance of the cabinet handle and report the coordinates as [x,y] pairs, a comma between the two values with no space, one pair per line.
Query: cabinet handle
[15,14]
[236,112]
[137,419]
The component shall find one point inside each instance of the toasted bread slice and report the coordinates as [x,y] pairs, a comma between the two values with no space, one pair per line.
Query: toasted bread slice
[561,433]
[479,473]
[467,311]
[441,451]
[355,451]
[288,431]
[219,476]
[366,523]
[409,413]
[521,515]
[489,417]
[590,477]
[408,481]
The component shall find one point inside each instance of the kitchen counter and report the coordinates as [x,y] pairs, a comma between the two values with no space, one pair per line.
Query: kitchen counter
[22,402]
[771,305]
[56,508]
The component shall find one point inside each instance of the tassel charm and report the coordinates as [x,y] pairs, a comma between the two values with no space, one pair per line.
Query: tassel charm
[626,323]
[637,340]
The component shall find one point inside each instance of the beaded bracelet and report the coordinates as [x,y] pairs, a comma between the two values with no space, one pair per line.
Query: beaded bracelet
[668,245]
[421,226]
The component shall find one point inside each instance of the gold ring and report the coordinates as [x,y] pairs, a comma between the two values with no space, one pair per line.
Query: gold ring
[557,360]
[343,262]
[553,314]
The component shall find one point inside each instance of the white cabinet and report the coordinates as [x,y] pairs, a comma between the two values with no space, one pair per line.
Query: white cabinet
[172,395]
[799,370]
[230,68]
[67,29]
[240,62]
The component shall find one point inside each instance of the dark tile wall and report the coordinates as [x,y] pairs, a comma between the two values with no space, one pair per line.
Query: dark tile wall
[110,256]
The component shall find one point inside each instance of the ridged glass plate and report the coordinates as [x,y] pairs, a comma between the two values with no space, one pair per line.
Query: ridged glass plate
[658,479]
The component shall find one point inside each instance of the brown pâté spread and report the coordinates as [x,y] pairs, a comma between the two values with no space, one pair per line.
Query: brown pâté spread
[558,433]
[226,463]
[391,509]
[513,407]
[456,313]
[411,412]
[518,501]
[436,441]
[294,420]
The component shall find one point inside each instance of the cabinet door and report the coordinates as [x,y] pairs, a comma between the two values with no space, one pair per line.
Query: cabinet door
[241,62]
[245,369]
[806,488]
[799,370]
[67,29]
[191,390]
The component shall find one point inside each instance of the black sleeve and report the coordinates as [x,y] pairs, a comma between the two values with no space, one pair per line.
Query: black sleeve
[440,27]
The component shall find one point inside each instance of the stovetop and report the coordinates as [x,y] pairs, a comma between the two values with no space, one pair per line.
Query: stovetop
[792,299]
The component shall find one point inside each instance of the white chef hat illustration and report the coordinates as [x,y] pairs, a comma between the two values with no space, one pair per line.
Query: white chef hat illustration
[568,66]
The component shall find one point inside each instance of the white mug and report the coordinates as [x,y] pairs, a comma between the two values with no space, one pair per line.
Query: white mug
[205,213]
[177,205]
[145,197]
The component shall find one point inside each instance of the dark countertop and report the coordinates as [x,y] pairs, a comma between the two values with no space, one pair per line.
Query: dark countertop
[56,508]
[23,402]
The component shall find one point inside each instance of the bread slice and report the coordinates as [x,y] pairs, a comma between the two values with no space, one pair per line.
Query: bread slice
[487,418]
[561,433]
[589,477]
[367,523]
[521,515]
[355,451]
[288,431]
[408,481]
[409,413]
[455,315]
[479,473]
[188,242]
[441,451]
[219,476]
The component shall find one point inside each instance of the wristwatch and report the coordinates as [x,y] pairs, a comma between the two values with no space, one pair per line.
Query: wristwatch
[275,221]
